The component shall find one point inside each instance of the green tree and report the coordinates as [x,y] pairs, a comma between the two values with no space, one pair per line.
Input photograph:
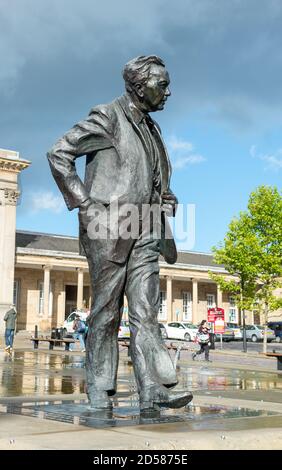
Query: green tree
[252,252]
[265,209]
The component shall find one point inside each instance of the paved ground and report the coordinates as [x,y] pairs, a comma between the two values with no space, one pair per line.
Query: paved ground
[237,403]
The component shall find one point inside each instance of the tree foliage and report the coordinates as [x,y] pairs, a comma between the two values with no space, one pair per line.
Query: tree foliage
[252,252]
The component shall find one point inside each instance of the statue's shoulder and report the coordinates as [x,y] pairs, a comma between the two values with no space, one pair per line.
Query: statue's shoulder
[107,111]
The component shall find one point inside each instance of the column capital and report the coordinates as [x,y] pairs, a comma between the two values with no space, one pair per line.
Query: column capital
[81,270]
[9,196]
[47,267]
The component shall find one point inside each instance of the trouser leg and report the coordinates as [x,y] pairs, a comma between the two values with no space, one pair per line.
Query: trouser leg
[12,337]
[7,337]
[206,348]
[201,350]
[107,281]
[150,358]
[81,341]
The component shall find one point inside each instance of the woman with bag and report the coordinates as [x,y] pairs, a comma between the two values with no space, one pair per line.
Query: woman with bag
[203,338]
[79,328]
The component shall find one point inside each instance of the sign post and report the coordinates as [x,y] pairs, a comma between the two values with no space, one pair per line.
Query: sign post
[216,318]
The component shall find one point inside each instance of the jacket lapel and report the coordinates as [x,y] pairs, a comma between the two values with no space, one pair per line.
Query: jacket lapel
[123,103]
[165,165]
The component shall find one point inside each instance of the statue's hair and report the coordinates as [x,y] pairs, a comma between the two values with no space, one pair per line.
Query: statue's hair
[138,70]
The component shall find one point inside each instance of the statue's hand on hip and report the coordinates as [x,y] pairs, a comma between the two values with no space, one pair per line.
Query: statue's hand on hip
[84,213]
[169,203]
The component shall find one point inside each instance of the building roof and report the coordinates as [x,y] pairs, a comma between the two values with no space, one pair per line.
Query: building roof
[65,244]
[46,241]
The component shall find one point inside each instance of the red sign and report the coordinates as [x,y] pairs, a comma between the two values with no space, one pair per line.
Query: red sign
[214,313]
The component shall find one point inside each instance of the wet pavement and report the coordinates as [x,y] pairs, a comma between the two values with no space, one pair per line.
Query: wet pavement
[37,373]
[126,413]
[33,375]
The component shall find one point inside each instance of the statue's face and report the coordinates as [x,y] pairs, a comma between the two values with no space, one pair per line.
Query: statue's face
[156,91]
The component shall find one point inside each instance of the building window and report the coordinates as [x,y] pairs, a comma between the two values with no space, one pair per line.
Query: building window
[211,300]
[187,306]
[16,292]
[41,299]
[162,310]
[232,310]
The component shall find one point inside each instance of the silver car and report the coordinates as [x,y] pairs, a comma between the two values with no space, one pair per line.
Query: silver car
[255,333]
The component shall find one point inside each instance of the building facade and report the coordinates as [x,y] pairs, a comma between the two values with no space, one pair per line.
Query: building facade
[52,279]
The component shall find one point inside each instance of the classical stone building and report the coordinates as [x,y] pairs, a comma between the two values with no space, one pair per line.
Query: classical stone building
[46,278]
[51,280]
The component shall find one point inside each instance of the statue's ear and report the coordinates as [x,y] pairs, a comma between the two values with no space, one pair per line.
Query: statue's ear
[138,88]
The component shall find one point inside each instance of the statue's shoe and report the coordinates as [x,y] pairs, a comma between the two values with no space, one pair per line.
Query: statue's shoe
[99,400]
[157,396]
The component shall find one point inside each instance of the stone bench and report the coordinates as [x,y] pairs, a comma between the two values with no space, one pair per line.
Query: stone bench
[52,342]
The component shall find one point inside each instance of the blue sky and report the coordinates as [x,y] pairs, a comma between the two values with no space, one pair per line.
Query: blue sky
[222,124]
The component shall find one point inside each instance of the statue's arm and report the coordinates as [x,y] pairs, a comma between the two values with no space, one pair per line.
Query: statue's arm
[85,137]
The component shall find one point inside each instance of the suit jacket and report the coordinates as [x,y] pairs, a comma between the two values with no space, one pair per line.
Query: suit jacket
[118,166]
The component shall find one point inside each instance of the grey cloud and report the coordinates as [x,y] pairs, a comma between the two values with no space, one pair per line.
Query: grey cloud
[59,58]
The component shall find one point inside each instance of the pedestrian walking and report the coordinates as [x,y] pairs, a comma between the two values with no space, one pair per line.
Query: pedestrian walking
[203,338]
[79,328]
[10,319]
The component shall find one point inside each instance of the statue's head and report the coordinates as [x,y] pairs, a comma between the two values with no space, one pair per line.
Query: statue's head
[147,81]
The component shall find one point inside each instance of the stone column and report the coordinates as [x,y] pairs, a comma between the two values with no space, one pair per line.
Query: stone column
[79,301]
[169,312]
[219,297]
[46,291]
[61,301]
[10,166]
[195,301]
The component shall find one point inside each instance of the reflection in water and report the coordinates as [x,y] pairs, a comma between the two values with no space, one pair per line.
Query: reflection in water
[228,379]
[25,374]
[41,373]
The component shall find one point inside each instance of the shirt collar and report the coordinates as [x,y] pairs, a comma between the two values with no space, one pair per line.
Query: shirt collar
[136,114]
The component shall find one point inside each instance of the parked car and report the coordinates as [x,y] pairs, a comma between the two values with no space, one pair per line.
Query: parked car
[163,331]
[238,335]
[124,331]
[227,336]
[181,330]
[255,333]
[68,323]
[193,329]
[277,329]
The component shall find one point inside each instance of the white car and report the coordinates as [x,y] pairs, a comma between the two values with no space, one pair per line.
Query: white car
[68,323]
[124,331]
[181,330]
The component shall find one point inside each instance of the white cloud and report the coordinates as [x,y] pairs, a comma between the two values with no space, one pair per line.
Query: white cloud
[273,160]
[178,144]
[182,162]
[181,153]
[46,200]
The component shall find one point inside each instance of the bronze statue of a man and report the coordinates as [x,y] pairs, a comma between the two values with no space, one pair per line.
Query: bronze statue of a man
[126,162]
